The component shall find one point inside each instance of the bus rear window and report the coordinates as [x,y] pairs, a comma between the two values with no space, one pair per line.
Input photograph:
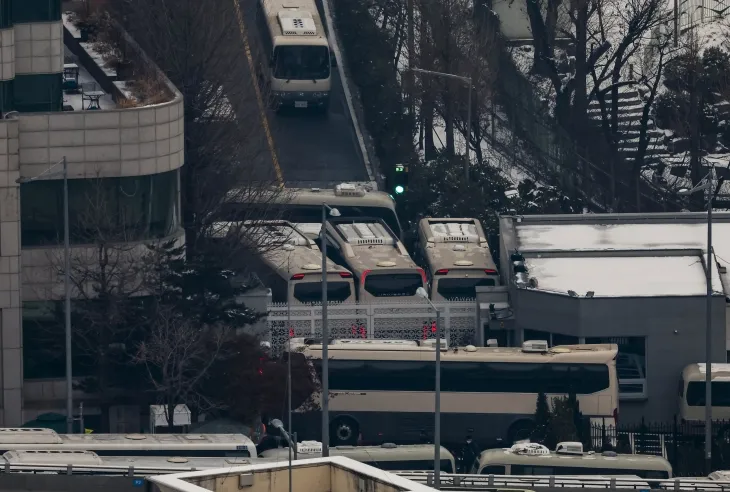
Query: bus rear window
[310,292]
[720,394]
[456,288]
[393,284]
[493,470]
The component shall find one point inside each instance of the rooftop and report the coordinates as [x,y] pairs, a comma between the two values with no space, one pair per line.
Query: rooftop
[621,254]
[452,242]
[334,474]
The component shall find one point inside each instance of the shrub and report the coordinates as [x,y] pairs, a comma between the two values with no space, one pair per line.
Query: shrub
[716,69]
[677,72]
[671,110]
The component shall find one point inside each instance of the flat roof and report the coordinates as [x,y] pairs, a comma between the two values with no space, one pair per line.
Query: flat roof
[622,276]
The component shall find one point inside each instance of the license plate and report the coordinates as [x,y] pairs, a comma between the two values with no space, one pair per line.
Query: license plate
[300,104]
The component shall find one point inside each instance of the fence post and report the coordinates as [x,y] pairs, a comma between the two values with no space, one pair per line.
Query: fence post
[312,324]
[642,437]
[675,434]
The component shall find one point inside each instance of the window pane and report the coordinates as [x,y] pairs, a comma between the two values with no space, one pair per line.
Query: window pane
[309,292]
[38,92]
[720,394]
[494,470]
[393,285]
[461,288]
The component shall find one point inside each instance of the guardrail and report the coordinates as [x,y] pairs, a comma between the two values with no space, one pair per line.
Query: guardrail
[484,482]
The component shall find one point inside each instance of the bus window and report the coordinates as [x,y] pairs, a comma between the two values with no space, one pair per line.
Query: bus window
[393,284]
[310,292]
[720,394]
[411,465]
[459,288]
[533,470]
[301,62]
[493,469]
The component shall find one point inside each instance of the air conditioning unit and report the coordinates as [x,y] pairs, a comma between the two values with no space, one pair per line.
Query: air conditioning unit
[569,448]
[431,343]
[535,346]
[349,189]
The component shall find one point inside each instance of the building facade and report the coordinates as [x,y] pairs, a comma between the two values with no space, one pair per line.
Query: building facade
[130,156]
[635,280]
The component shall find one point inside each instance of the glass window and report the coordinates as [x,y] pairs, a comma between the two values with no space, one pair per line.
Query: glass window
[532,470]
[6,14]
[37,92]
[461,288]
[311,292]
[720,394]
[393,284]
[630,364]
[35,10]
[493,470]
[301,62]
[120,209]
[415,465]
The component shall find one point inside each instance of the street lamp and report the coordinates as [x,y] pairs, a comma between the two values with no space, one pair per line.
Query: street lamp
[467,81]
[421,292]
[277,424]
[325,334]
[290,248]
[66,282]
[707,185]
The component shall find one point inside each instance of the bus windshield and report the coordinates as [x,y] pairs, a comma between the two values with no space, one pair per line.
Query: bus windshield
[393,284]
[311,292]
[461,288]
[301,62]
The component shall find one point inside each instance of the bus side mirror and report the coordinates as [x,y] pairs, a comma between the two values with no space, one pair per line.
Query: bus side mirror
[333,59]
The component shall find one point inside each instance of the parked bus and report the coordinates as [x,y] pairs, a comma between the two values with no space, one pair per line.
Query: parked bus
[568,459]
[303,206]
[383,389]
[290,263]
[457,258]
[692,392]
[191,445]
[387,456]
[294,58]
[377,258]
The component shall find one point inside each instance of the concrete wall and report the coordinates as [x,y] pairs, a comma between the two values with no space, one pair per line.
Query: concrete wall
[514,22]
[64,483]
[7,54]
[39,48]
[675,336]
[106,143]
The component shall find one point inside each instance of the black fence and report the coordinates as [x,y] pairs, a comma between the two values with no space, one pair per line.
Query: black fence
[682,443]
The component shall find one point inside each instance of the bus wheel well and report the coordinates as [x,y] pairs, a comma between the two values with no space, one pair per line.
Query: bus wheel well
[519,430]
[344,430]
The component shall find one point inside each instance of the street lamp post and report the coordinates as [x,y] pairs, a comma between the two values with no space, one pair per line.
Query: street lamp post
[325,333]
[290,248]
[707,185]
[66,285]
[277,424]
[467,81]
[421,292]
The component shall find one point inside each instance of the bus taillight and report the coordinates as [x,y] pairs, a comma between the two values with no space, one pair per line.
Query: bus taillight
[345,275]
[297,276]
[443,271]
[423,276]
[362,277]
[490,271]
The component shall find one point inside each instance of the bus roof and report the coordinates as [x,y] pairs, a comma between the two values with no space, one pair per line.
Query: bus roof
[612,461]
[455,244]
[598,353]
[343,194]
[294,22]
[38,438]
[368,244]
[385,452]
[286,249]
[697,372]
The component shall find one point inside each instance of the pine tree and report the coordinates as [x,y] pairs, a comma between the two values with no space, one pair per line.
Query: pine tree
[542,419]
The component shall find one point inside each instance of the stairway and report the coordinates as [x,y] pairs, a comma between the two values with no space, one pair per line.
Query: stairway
[630,107]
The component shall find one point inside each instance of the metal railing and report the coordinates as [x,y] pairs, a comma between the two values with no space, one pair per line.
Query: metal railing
[479,482]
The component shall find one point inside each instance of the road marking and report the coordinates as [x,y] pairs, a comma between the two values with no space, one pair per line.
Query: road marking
[259,98]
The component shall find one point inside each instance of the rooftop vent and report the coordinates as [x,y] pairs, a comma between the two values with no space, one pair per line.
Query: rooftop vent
[52,457]
[365,233]
[455,232]
[29,436]
[309,447]
[570,447]
[349,189]
[535,346]
[297,23]
[388,445]
[530,449]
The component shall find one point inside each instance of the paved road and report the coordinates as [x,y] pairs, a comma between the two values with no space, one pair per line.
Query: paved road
[311,150]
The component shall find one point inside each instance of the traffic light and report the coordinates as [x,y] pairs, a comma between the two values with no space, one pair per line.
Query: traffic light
[400,179]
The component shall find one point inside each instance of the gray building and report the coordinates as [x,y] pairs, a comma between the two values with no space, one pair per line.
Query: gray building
[637,280]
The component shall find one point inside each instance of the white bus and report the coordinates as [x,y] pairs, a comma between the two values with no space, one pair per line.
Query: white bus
[294,58]
[303,206]
[382,390]
[387,456]
[192,445]
[569,459]
[692,392]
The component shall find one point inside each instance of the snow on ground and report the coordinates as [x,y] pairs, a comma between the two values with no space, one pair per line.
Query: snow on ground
[714,33]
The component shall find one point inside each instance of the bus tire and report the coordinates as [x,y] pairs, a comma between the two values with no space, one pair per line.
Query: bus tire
[344,431]
[522,429]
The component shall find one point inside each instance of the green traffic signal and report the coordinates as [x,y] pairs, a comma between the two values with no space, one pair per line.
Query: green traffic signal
[399,189]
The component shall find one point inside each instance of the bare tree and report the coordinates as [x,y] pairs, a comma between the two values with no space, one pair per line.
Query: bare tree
[204,48]
[177,355]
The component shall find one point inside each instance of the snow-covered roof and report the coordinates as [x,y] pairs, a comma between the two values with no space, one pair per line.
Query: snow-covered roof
[668,272]
[621,276]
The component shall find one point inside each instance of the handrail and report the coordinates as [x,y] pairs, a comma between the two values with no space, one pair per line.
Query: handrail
[475,482]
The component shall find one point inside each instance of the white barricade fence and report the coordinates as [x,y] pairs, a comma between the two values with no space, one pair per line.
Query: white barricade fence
[409,320]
